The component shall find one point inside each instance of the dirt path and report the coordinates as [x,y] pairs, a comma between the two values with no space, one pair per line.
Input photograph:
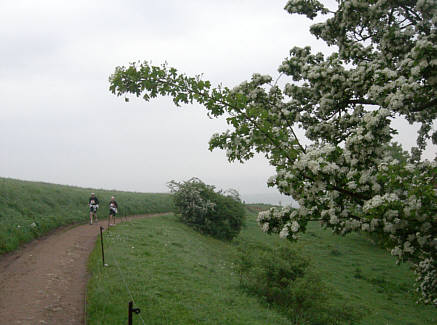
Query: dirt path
[44,282]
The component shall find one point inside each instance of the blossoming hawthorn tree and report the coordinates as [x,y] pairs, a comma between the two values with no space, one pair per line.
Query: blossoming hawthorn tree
[217,213]
[384,66]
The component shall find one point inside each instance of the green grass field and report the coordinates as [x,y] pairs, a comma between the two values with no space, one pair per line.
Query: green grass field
[177,276]
[31,209]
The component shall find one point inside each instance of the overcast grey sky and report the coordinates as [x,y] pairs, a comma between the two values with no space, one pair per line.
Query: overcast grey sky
[59,123]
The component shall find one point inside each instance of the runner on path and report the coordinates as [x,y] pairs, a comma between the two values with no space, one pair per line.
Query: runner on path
[93,203]
[113,207]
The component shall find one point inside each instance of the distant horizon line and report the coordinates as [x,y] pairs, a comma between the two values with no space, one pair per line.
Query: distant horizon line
[250,198]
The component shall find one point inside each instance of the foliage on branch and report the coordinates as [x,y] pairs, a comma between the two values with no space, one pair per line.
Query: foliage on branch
[206,210]
[344,173]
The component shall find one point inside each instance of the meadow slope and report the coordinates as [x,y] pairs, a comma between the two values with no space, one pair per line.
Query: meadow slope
[178,276]
[29,210]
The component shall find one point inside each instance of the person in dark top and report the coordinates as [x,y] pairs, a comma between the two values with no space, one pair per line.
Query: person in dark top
[113,207]
[93,203]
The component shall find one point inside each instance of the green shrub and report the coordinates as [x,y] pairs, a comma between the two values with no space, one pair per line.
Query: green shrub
[285,280]
[206,210]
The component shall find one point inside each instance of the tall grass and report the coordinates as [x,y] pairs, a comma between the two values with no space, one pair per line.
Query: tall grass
[31,209]
[174,274]
[178,276]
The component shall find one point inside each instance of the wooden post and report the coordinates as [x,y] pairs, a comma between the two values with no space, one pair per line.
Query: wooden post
[132,310]
[101,240]
[129,322]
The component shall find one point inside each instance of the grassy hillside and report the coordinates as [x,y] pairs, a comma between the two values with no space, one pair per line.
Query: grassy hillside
[31,209]
[177,276]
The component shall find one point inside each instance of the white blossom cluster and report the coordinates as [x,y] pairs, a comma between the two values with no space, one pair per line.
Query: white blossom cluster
[189,193]
[348,178]
[426,272]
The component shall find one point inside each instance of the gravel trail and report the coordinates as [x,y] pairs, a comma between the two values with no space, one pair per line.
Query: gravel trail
[44,282]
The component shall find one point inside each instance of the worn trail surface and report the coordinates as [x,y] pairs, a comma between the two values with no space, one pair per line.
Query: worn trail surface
[44,282]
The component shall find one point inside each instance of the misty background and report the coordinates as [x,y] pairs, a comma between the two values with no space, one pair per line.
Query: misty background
[59,123]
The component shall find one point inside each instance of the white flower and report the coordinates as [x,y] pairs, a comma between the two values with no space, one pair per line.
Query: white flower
[333,220]
[295,226]
[397,251]
[390,214]
[263,215]
[408,248]
[388,227]
[409,167]
[376,187]
[271,180]
[421,239]
[265,227]
[284,232]
[352,185]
